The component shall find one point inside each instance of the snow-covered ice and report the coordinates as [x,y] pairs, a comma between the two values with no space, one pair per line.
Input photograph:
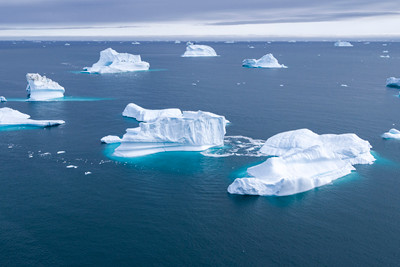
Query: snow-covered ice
[61,152]
[193,131]
[141,114]
[113,62]
[110,139]
[303,160]
[3,99]
[10,117]
[392,134]
[343,44]
[267,61]
[193,50]
[393,82]
[41,88]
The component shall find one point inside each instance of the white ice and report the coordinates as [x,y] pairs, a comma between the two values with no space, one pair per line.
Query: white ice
[110,139]
[113,62]
[10,117]
[393,82]
[303,160]
[41,88]
[267,61]
[343,44]
[141,114]
[3,99]
[392,134]
[193,50]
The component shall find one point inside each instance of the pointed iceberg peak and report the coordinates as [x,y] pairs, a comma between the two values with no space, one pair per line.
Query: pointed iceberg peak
[193,50]
[41,88]
[267,61]
[113,62]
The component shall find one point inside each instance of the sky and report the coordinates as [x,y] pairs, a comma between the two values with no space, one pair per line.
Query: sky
[213,19]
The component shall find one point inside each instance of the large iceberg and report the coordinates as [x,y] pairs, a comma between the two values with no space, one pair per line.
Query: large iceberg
[12,117]
[193,50]
[392,134]
[192,131]
[113,62]
[393,82]
[141,114]
[303,160]
[41,88]
[267,61]
[343,44]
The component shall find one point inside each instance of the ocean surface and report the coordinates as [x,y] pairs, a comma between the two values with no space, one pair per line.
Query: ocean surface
[173,209]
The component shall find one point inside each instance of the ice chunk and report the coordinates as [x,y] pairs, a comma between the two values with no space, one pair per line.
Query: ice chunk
[71,167]
[113,62]
[343,44]
[67,44]
[393,82]
[305,160]
[10,117]
[135,43]
[41,88]
[110,139]
[392,134]
[61,152]
[141,114]
[193,50]
[3,99]
[177,42]
[193,131]
[384,56]
[267,61]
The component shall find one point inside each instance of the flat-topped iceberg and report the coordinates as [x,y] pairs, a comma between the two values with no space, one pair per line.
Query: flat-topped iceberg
[303,160]
[392,134]
[12,117]
[141,114]
[3,99]
[343,44]
[267,61]
[192,131]
[193,50]
[110,139]
[41,88]
[393,82]
[113,62]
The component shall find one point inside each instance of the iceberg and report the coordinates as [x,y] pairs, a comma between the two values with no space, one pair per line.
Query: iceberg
[113,62]
[3,99]
[110,139]
[141,114]
[12,117]
[343,44]
[392,134]
[302,161]
[192,131]
[193,50]
[267,61]
[177,42]
[393,82]
[41,88]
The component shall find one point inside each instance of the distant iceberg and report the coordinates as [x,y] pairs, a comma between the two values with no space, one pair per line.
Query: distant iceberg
[141,114]
[393,82]
[343,44]
[12,117]
[193,131]
[267,61]
[3,99]
[193,50]
[177,42]
[135,43]
[41,88]
[392,134]
[113,62]
[303,160]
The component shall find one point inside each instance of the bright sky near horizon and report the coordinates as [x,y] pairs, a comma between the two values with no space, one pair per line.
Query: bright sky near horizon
[217,19]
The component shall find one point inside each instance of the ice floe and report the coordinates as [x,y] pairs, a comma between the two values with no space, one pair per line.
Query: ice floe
[393,82]
[267,61]
[41,88]
[303,160]
[392,134]
[113,62]
[12,117]
[193,50]
[343,44]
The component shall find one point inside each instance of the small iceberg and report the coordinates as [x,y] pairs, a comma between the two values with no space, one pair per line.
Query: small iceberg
[141,114]
[3,99]
[110,139]
[41,88]
[135,43]
[343,44]
[113,62]
[12,117]
[302,160]
[177,42]
[392,134]
[267,61]
[193,50]
[192,131]
[393,82]
[384,56]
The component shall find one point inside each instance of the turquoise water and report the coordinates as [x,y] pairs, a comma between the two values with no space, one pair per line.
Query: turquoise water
[172,209]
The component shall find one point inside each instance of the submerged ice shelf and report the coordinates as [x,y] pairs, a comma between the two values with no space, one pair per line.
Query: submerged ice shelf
[193,50]
[41,88]
[302,161]
[113,62]
[267,61]
[12,117]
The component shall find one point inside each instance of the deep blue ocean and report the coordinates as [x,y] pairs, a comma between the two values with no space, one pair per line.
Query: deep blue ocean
[172,209]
